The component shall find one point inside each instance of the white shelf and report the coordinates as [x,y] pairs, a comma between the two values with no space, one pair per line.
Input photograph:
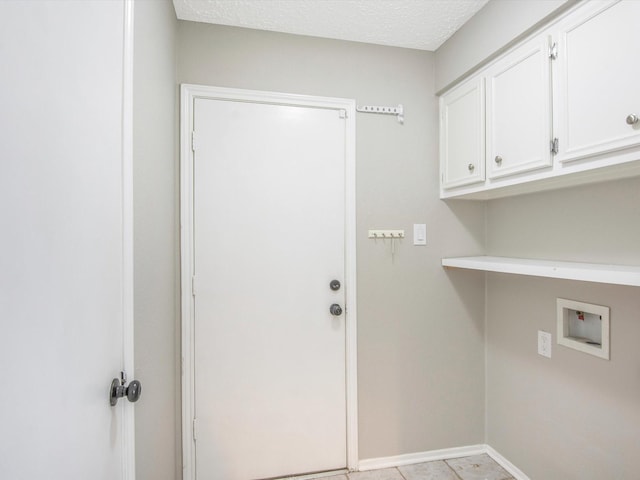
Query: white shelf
[585,272]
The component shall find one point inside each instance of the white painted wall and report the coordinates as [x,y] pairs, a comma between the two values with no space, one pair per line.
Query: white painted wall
[156,241]
[421,331]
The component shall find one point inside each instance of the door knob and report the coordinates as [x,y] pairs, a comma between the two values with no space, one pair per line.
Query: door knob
[335,310]
[119,389]
[334,285]
[632,119]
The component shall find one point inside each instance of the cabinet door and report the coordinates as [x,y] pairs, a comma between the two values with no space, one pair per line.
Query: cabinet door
[462,135]
[519,111]
[598,97]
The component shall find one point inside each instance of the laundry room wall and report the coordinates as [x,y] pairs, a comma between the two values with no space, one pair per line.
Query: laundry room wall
[577,412]
[571,416]
[156,246]
[420,329]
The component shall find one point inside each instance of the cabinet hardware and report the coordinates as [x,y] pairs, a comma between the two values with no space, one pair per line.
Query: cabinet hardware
[632,119]
[498,159]
[471,167]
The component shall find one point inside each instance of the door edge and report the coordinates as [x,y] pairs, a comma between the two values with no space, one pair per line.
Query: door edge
[128,409]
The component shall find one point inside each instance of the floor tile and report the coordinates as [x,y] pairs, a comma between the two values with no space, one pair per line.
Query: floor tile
[437,470]
[385,474]
[478,467]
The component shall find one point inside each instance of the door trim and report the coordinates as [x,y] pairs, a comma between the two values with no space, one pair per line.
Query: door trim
[188,94]
[128,410]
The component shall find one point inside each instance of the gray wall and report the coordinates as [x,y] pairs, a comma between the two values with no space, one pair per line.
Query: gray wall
[573,416]
[497,24]
[420,331]
[155,243]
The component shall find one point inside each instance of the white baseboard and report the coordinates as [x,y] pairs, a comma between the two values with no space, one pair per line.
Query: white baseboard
[506,464]
[420,457]
[444,454]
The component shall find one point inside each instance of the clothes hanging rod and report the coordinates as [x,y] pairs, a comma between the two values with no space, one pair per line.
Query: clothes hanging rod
[398,111]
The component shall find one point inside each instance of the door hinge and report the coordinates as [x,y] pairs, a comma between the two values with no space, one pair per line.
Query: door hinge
[193,141]
[554,146]
[343,113]
[553,51]
[193,286]
[195,430]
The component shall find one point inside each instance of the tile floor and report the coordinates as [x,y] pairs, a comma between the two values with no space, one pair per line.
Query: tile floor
[476,467]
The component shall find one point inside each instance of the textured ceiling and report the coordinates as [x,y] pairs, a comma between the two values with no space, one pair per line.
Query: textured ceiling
[421,24]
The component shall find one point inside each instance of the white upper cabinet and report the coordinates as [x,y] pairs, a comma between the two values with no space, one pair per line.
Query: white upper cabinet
[562,108]
[462,134]
[519,111]
[597,102]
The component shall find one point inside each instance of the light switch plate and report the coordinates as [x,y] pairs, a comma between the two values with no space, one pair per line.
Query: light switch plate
[544,344]
[419,234]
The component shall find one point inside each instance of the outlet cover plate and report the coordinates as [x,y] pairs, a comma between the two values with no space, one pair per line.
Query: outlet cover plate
[544,344]
[419,233]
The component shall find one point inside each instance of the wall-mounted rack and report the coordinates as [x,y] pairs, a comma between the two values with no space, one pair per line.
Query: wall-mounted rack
[398,111]
[392,235]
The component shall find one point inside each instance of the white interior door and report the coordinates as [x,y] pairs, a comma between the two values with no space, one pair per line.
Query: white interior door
[269,237]
[64,262]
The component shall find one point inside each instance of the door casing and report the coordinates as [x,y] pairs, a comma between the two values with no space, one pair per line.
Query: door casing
[189,93]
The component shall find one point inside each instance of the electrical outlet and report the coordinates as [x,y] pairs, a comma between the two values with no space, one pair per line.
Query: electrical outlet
[544,344]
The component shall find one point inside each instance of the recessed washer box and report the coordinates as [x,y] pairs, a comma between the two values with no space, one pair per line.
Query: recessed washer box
[584,327]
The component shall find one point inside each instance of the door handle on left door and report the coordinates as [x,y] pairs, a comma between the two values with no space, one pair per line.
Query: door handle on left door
[119,389]
[335,310]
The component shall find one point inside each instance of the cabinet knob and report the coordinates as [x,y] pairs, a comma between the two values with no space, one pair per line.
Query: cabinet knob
[498,159]
[471,167]
[632,119]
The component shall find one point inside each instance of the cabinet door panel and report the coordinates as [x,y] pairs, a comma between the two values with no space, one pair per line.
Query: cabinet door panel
[597,79]
[519,111]
[462,135]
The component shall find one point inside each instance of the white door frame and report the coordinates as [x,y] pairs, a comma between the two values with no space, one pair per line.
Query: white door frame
[128,411]
[188,95]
